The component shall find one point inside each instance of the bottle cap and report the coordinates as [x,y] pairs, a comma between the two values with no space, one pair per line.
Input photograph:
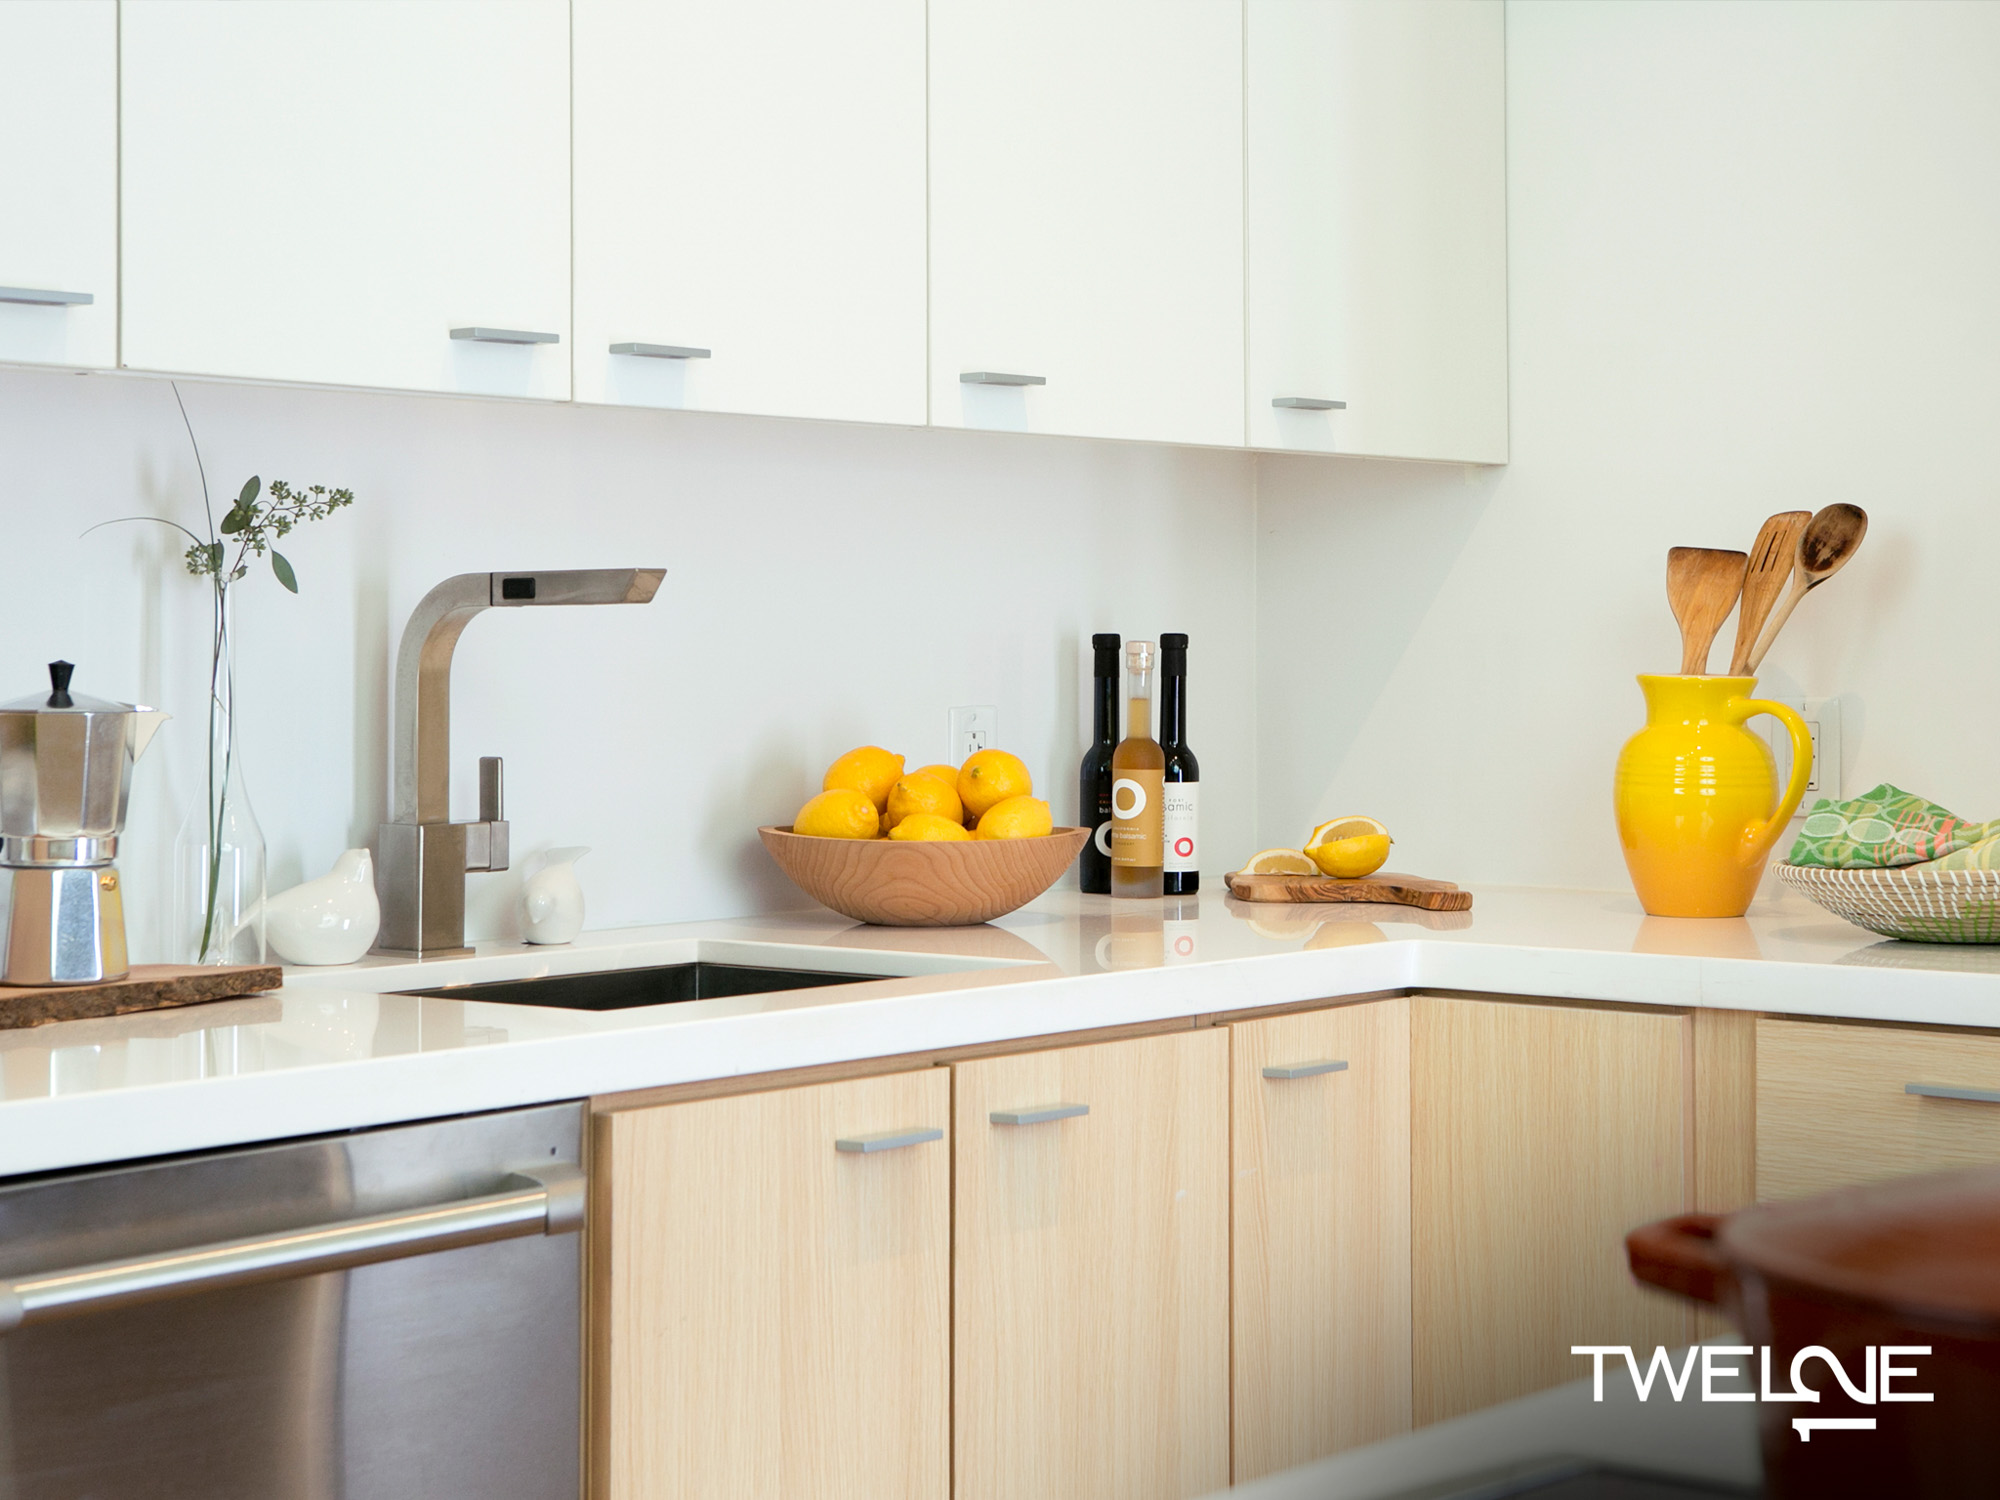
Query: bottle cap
[1105,662]
[1139,656]
[1104,641]
[1173,641]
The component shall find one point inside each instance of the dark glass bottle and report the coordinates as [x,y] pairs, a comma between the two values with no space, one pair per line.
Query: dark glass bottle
[1181,791]
[1093,784]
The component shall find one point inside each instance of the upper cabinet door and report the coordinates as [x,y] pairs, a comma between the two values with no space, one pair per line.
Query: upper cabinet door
[1377,227]
[325,190]
[1086,180]
[59,182]
[750,206]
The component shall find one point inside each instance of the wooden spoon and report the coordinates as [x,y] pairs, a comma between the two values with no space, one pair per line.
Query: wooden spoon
[1771,562]
[1702,585]
[1827,544]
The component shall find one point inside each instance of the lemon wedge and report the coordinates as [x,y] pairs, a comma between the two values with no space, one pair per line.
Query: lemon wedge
[1279,862]
[1350,827]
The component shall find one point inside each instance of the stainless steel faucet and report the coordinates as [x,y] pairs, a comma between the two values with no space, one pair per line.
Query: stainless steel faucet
[424,856]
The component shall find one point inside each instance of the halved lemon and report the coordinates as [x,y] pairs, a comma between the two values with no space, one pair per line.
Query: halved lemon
[1349,827]
[1351,858]
[1279,862]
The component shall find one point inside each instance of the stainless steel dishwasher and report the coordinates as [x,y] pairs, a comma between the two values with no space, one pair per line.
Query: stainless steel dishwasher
[390,1313]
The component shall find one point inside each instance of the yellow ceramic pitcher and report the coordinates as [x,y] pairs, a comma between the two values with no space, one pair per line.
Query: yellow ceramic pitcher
[1695,795]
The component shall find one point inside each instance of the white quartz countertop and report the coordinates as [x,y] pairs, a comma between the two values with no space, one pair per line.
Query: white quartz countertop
[336,1050]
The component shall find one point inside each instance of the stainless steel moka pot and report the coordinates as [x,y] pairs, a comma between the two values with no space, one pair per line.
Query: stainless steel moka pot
[65,775]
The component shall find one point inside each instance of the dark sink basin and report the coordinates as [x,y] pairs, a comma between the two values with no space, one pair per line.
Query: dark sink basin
[617,989]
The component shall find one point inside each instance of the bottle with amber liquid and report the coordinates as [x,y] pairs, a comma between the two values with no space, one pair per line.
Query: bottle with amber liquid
[1180,797]
[1138,767]
[1093,784]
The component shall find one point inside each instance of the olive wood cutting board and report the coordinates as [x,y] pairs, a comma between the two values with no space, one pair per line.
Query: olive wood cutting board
[146,987]
[1401,890]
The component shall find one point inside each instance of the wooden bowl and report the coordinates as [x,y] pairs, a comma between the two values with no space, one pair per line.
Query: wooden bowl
[897,883]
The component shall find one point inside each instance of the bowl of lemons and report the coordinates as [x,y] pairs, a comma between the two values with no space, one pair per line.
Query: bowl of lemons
[939,846]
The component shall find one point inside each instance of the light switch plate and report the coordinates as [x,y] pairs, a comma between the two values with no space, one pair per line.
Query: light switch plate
[1822,716]
[973,730]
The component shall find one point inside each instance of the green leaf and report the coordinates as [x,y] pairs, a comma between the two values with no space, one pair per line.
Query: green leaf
[284,571]
[215,557]
[234,522]
[249,492]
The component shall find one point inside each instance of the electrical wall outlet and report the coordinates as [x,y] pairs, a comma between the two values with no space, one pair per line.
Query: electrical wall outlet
[1822,716]
[973,730]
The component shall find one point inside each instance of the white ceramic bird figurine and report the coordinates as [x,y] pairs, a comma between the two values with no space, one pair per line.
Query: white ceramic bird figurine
[331,920]
[551,899]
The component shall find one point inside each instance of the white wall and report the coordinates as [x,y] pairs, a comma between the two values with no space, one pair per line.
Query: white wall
[827,586]
[1754,266]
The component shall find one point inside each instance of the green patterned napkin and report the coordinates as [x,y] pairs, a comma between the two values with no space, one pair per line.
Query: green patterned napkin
[1889,828]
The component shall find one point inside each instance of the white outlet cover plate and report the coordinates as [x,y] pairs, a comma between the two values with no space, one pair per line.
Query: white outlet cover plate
[972,730]
[1822,716]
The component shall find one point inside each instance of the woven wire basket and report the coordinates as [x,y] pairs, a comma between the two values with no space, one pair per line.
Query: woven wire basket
[1922,906]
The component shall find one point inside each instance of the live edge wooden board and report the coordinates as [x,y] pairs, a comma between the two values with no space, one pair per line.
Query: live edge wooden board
[1401,890]
[146,987]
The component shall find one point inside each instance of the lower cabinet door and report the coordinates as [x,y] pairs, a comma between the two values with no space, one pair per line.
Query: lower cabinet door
[769,1297]
[1540,1135]
[1321,1232]
[1091,1271]
[1844,1104]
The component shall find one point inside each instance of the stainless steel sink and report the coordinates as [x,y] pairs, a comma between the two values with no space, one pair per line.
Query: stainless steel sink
[658,984]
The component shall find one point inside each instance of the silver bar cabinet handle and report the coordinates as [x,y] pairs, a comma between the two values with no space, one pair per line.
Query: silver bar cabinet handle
[1306,1069]
[549,1201]
[1951,1091]
[1039,1116]
[661,351]
[997,377]
[888,1140]
[505,336]
[1307,403]
[36,298]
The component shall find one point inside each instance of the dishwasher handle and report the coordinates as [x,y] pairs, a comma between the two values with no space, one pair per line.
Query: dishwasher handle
[548,1200]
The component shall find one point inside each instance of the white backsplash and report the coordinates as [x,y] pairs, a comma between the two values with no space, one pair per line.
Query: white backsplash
[826,586]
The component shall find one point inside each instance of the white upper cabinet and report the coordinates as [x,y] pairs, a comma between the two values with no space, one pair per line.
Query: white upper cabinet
[750,182]
[59,182]
[324,190]
[1086,177]
[1377,227]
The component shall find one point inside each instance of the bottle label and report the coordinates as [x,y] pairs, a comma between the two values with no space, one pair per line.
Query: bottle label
[1135,819]
[1180,811]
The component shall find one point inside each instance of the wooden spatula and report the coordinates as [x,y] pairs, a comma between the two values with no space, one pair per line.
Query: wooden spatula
[1827,544]
[1770,565]
[1702,587]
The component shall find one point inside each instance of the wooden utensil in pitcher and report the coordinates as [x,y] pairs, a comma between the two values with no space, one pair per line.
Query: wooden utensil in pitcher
[1702,587]
[1771,561]
[1828,543]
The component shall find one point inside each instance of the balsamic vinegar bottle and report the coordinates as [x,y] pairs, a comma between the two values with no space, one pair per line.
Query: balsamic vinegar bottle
[1093,782]
[1136,767]
[1180,794]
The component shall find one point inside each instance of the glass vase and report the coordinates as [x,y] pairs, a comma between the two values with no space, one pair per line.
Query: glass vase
[219,853]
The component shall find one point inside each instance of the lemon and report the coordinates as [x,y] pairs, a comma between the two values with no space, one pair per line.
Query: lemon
[1279,862]
[871,770]
[842,813]
[989,777]
[947,774]
[1351,858]
[1350,827]
[1016,818]
[921,793]
[928,826]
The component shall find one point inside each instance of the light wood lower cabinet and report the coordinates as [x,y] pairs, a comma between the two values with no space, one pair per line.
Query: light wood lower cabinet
[1833,1107]
[1091,1272]
[1540,1135]
[1320,1216]
[771,1314]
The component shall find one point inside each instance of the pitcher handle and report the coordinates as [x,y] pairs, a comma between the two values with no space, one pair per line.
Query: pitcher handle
[1758,837]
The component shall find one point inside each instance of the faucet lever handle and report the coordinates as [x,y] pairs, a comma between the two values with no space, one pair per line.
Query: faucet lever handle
[491,789]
